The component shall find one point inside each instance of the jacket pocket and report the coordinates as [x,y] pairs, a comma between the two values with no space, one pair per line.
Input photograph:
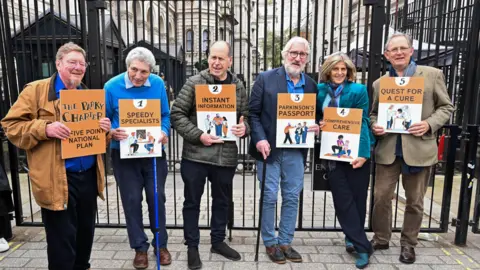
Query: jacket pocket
[429,136]
[40,173]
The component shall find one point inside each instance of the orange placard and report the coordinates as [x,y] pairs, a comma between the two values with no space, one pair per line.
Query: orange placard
[216,97]
[296,106]
[139,112]
[403,90]
[80,111]
[342,120]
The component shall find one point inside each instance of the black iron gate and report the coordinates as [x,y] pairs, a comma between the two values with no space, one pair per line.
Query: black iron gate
[179,34]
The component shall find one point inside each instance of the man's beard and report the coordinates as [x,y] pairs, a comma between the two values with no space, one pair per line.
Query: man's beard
[292,70]
[74,83]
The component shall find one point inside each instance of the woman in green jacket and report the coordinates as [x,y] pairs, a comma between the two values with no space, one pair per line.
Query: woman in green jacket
[348,181]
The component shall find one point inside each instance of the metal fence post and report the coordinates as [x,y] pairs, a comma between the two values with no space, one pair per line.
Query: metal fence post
[94,49]
[448,179]
[468,176]
[376,39]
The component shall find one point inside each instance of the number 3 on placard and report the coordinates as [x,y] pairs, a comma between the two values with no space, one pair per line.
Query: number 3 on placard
[297,97]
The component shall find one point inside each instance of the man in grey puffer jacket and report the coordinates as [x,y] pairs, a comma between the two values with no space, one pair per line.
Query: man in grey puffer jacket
[207,156]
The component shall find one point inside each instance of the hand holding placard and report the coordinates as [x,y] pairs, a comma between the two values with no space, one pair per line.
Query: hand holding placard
[57,130]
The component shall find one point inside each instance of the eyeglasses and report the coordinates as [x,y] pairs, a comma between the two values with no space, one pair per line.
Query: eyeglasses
[72,63]
[399,49]
[294,54]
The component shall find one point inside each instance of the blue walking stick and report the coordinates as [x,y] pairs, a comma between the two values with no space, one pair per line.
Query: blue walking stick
[155,197]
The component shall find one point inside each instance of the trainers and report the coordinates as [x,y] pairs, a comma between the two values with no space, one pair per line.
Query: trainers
[4,245]
[194,261]
[291,254]
[362,260]
[275,254]
[226,251]
[349,246]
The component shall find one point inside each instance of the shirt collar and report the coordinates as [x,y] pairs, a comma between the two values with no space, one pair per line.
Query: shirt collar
[301,82]
[129,84]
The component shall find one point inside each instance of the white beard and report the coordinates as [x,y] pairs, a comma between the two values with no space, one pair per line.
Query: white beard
[293,71]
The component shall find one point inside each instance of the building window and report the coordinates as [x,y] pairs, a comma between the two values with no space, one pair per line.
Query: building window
[222,34]
[189,40]
[47,69]
[189,71]
[205,38]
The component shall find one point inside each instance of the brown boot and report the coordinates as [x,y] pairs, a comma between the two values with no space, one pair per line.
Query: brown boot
[165,257]
[141,260]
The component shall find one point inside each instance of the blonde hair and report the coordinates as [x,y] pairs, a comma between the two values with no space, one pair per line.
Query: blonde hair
[333,60]
[68,48]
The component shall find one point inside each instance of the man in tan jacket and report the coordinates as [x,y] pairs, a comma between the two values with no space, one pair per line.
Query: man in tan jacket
[66,190]
[410,155]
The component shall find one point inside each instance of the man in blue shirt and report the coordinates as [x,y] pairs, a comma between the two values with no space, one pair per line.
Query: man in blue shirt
[135,175]
[285,167]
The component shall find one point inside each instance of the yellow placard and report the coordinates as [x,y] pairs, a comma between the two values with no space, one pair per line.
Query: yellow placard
[296,106]
[216,97]
[80,111]
[401,90]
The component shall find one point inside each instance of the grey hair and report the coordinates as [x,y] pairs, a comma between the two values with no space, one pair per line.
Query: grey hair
[141,54]
[292,41]
[399,34]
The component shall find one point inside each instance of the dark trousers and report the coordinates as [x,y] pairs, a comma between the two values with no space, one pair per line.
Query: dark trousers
[133,176]
[194,176]
[349,190]
[70,232]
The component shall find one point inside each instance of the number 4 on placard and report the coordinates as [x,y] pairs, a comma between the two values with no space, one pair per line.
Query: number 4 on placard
[342,112]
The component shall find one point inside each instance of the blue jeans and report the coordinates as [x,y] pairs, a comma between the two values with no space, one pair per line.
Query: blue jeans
[133,176]
[286,171]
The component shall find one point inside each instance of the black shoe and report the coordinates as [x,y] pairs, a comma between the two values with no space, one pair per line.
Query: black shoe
[276,254]
[194,261]
[407,255]
[226,251]
[377,246]
[291,254]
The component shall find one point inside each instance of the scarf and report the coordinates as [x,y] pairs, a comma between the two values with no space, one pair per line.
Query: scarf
[334,91]
[406,169]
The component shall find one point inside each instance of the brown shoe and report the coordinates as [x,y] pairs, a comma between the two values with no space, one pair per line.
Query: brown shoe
[141,260]
[165,257]
[407,255]
[377,246]
[275,254]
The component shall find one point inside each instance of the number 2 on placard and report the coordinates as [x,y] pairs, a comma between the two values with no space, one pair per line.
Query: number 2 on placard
[215,89]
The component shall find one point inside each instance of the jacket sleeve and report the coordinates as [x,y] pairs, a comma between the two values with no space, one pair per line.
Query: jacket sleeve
[374,111]
[21,125]
[362,103]
[180,114]
[244,109]
[443,104]
[255,111]
[165,109]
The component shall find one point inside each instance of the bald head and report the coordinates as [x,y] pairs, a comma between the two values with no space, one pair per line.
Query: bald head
[219,60]
[220,44]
